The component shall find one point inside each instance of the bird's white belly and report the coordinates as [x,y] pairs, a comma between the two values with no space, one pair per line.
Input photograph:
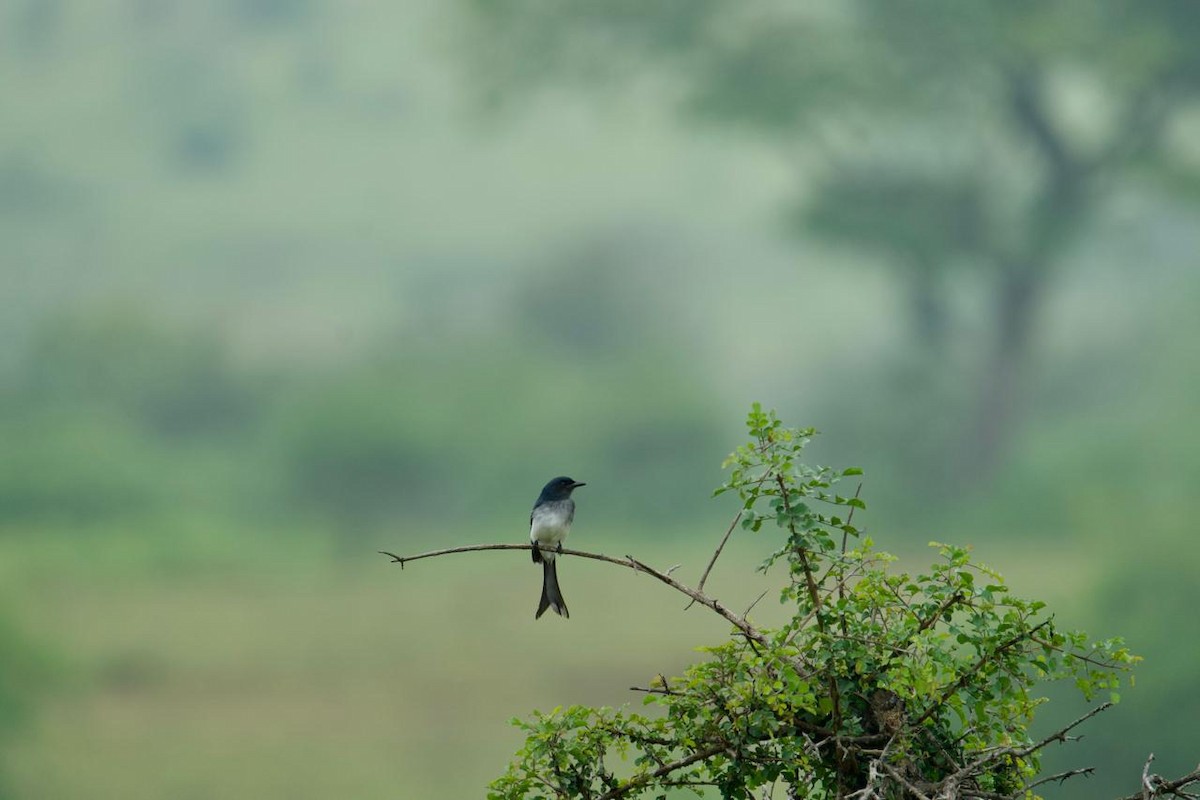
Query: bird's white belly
[549,529]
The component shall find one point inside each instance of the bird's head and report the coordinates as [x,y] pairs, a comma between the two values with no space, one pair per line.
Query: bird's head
[559,488]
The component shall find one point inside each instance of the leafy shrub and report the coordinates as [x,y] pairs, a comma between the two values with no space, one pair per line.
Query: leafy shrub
[881,684]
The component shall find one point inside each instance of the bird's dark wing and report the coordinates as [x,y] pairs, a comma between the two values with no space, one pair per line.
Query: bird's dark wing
[537,553]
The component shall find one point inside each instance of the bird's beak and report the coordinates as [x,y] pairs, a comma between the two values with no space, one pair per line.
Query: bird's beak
[577,484]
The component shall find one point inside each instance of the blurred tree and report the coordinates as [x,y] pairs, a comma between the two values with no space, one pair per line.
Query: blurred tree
[943,136]
[353,455]
[170,383]
[592,308]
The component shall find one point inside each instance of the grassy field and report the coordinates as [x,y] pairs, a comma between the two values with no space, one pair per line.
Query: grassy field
[278,671]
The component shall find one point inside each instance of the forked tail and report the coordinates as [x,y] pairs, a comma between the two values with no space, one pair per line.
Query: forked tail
[551,595]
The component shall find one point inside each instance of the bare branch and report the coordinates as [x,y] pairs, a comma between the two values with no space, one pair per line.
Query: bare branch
[1157,786]
[1062,776]
[402,560]
[629,562]
[1060,735]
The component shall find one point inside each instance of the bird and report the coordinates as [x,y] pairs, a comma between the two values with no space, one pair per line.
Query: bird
[549,523]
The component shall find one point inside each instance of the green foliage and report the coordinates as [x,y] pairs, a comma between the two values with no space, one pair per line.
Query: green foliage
[879,679]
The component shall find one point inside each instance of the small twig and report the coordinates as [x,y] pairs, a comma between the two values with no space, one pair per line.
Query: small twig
[1077,656]
[813,594]
[800,626]
[717,554]
[967,731]
[746,613]
[1060,735]
[638,781]
[933,618]
[750,643]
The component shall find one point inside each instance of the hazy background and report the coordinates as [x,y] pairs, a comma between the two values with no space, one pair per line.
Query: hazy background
[290,281]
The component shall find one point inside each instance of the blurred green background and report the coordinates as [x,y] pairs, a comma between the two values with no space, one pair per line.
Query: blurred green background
[290,281]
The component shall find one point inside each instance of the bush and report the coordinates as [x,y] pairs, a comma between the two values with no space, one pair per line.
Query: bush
[881,685]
